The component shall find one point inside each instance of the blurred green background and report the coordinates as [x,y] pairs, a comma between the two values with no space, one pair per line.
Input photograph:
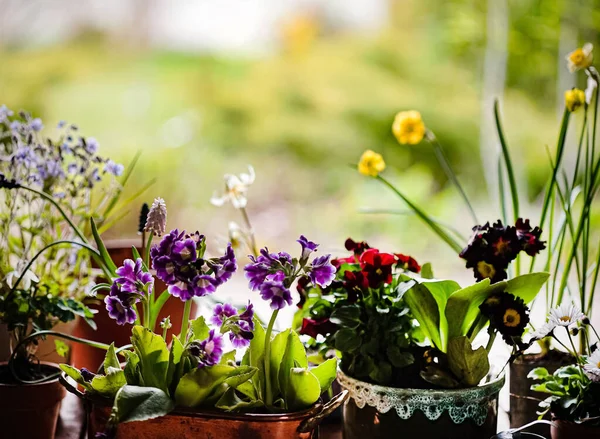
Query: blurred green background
[299,94]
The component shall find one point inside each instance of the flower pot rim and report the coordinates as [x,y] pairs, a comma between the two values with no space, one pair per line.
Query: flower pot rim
[491,386]
[314,411]
[585,424]
[45,383]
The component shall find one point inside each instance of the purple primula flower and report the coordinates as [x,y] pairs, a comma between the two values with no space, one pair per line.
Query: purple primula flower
[209,351]
[307,247]
[132,277]
[165,269]
[203,284]
[91,145]
[322,271]
[181,290]
[277,293]
[184,252]
[225,266]
[241,335]
[36,124]
[118,306]
[256,273]
[113,168]
[248,315]
[221,313]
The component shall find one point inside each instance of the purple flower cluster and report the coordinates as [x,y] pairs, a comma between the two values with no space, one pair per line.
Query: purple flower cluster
[239,325]
[132,285]
[179,262]
[272,274]
[207,352]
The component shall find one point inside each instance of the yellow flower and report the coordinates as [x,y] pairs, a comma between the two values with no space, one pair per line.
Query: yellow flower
[574,99]
[408,127]
[580,58]
[371,163]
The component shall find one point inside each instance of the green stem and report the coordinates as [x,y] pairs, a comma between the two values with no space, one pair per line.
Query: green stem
[267,360]
[507,162]
[157,306]
[443,160]
[187,309]
[147,250]
[490,342]
[421,214]
[253,248]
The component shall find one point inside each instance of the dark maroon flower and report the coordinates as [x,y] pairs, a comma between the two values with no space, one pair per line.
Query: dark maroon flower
[315,327]
[407,263]
[302,287]
[377,267]
[529,238]
[356,247]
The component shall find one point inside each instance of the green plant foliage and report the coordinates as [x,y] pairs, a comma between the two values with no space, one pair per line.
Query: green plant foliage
[470,366]
[135,403]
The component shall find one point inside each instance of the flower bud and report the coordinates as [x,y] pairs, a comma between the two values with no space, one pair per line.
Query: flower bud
[157,218]
[574,99]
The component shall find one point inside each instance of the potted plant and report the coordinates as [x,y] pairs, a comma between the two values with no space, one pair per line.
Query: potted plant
[406,343]
[45,265]
[574,401]
[189,381]
[566,213]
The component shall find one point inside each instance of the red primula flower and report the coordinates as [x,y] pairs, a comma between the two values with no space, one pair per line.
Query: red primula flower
[314,327]
[408,263]
[377,267]
[357,247]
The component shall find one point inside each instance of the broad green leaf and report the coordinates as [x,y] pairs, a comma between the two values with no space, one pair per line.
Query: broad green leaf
[76,375]
[539,373]
[278,346]
[439,376]
[469,365]
[462,308]
[230,401]
[132,370]
[228,357]
[108,385]
[197,386]
[110,359]
[294,356]
[154,357]
[255,354]
[134,403]
[302,390]
[347,340]
[527,286]
[399,358]
[347,316]
[325,373]
[200,329]
[427,271]
[174,371]
[108,262]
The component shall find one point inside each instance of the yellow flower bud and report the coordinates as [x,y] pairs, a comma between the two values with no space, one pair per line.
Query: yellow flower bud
[371,163]
[574,99]
[580,58]
[408,127]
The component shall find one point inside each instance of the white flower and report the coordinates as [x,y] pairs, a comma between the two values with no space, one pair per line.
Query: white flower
[565,315]
[580,58]
[236,188]
[592,366]
[25,284]
[156,221]
[236,235]
[543,331]
[589,90]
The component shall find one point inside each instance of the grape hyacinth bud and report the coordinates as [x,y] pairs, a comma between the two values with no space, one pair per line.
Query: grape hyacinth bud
[143,217]
[156,222]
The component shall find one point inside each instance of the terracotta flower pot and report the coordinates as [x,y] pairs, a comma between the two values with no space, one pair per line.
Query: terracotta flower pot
[185,423]
[30,410]
[108,331]
[381,412]
[524,401]
[570,430]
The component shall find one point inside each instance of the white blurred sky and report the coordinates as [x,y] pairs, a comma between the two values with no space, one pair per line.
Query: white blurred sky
[241,26]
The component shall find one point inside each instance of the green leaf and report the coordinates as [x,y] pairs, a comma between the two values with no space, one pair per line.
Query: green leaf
[132,370]
[278,347]
[61,347]
[200,329]
[135,403]
[197,386]
[230,401]
[346,316]
[463,307]
[469,365]
[325,373]
[439,377]
[427,271]
[108,385]
[399,358]
[347,340]
[302,389]
[174,371]
[76,375]
[527,286]
[254,356]
[228,357]
[154,357]
[108,262]
[110,359]
[294,356]
[539,373]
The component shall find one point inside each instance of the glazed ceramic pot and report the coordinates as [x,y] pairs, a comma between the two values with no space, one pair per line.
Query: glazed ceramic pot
[185,423]
[379,412]
[30,410]
[570,430]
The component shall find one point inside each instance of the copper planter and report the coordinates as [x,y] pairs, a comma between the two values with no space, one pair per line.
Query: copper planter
[185,423]
[570,430]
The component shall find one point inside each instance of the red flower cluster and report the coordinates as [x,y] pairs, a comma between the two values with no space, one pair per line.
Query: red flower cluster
[493,248]
[314,327]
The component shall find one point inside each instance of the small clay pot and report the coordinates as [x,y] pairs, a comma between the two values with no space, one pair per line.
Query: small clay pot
[524,402]
[185,423]
[30,410]
[571,430]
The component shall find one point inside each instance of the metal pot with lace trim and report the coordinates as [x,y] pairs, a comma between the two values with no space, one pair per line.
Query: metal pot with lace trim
[375,411]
